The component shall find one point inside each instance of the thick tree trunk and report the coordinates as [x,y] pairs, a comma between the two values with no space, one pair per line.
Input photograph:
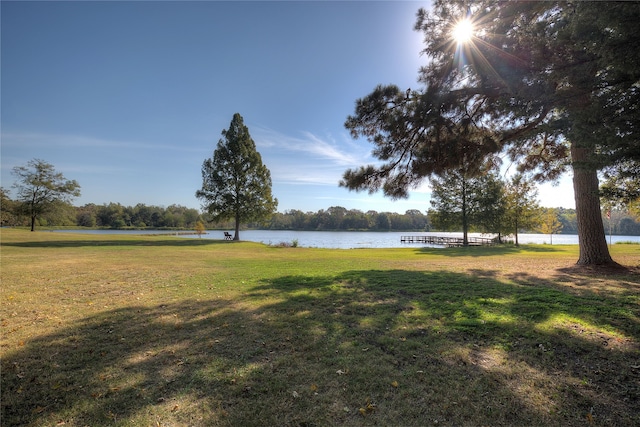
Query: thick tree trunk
[33,223]
[591,235]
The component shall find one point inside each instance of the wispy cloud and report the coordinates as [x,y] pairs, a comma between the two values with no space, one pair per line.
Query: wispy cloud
[92,169]
[299,175]
[38,140]
[313,159]
[315,146]
[307,158]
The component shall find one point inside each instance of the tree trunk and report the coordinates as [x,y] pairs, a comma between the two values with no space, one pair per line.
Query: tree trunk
[465,220]
[33,222]
[591,236]
[237,233]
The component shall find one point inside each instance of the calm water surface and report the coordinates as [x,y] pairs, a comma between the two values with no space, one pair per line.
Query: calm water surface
[354,239]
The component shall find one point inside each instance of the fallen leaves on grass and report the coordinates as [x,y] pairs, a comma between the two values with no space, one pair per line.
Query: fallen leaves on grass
[367,408]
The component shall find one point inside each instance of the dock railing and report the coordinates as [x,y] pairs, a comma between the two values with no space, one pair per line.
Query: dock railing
[448,241]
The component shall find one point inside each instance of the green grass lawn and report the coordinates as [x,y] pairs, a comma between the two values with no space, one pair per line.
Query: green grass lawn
[164,331]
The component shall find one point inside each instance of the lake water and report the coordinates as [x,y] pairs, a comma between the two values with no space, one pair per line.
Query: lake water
[353,239]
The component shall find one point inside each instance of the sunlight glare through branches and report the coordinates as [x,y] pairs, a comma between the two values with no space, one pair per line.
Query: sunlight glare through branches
[462,31]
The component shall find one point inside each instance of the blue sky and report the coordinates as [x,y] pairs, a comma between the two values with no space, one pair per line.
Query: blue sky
[129,98]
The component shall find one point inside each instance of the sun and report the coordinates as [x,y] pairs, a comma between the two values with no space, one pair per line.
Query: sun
[462,31]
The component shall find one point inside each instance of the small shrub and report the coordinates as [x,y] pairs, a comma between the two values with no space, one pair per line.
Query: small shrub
[292,244]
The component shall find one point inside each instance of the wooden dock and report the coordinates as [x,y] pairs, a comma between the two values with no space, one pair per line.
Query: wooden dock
[447,241]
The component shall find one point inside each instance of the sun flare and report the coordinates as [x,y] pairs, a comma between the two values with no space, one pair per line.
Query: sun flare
[462,31]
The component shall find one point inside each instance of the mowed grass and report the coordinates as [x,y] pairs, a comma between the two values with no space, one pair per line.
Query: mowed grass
[165,331]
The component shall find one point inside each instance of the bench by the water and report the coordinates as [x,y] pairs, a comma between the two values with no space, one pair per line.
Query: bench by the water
[228,236]
[447,241]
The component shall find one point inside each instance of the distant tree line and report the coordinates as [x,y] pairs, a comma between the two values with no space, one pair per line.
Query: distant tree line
[117,216]
[619,222]
[339,218]
[112,215]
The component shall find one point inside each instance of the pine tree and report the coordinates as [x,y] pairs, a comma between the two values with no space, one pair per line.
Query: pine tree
[456,201]
[551,85]
[235,183]
[492,212]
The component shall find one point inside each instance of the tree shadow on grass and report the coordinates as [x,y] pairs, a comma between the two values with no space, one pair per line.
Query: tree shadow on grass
[585,281]
[115,366]
[480,251]
[553,354]
[363,347]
